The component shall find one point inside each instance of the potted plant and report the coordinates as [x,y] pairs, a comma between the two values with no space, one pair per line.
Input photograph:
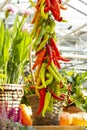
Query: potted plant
[14,51]
[75,92]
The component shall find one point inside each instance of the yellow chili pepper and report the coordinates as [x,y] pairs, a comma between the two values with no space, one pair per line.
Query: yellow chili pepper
[43,14]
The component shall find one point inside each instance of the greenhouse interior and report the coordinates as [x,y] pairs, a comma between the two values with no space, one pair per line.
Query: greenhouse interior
[43,65]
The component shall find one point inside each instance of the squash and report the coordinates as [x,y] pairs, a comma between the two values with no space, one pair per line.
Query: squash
[65,119]
[73,119]
[80,119]
[25,115]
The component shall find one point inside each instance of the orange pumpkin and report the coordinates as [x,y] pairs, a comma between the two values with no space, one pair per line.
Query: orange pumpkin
[74,119]
[80,119]
[65,119]
[25,115]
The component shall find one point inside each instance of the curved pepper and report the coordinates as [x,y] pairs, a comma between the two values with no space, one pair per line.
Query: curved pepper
[49,52]
[46,103]
[42,74]
[55,96]
[52,72]
[42,99]
[38,40]
[43,42]
[55,9]
[39,59]
[47,7]
[43,14]
[48,81]
[55,69]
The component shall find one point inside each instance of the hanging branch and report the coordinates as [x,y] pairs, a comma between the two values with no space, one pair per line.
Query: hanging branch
[30,64]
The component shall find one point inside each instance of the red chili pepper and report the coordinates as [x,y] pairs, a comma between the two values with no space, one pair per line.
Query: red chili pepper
[62,95]
[59,1]
[55,14]
[42,99]
[55,60]
[47,3]
[40,57]
[54,47]
[55,9]
[57,52]
[49,51]
[55,96]
[47,7]
[64,59]
[55,4]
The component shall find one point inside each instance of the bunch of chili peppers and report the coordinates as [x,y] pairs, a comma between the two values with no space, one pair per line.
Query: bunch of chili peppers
[49,83]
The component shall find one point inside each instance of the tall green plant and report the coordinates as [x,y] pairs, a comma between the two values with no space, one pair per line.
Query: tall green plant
[14,51]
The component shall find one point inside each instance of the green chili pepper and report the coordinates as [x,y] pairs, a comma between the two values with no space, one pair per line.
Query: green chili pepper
[50,107]
[46,103]
[51,71]
[42,44]
[38,40]
[42,74]
[47,82]
[55,69]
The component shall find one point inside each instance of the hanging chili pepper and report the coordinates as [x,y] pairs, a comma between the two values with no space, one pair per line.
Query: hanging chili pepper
[63,59]
[47,7]
[55,70]
[38,40]
[38,31]
[43,42]
[52,72]
[46,103]
[42,99]
[55,3]
[47,2]
[42,74]
[55,9]
[47,82]
[49,79]
[49,52]
[56,62]
[55,14]
[54,47]
[35,16]
[36,24]
[44,14]
[55,96]
[56,52]
[39,59]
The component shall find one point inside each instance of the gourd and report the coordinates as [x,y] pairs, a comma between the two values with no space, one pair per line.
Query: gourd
[74,119]
[25,115]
